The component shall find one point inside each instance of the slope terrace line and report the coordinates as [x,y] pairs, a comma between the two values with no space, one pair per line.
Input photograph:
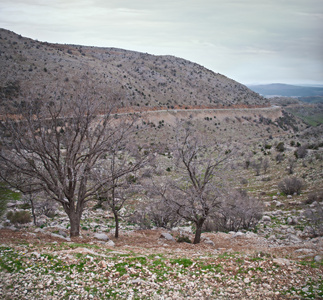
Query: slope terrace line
[127,110]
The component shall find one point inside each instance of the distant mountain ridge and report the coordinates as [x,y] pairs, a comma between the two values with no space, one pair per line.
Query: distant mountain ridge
[144,79]
[286,90]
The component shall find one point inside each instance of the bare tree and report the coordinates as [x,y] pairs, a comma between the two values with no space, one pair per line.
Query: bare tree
[56,146]
[196,191]
[256,165]
[291,185]
[122,166]
[265,164]
[291,165]
[238,211]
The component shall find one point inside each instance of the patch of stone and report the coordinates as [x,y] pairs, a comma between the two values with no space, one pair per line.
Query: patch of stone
[101,236]
[167,236]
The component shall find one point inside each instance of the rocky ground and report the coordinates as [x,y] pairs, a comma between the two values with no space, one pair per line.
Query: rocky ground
[151,264]
[279,259]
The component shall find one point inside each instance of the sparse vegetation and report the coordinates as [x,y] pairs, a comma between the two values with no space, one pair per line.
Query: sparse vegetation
[20,217]
[291,185]
[156,207]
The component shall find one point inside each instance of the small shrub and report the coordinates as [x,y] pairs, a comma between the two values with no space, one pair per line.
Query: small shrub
[314,196]
[315,218]
[140,218]
[185,262]
[238,211]
[266,179]
[21,217]
[244,181]
[25,206]
[291,185]
[47,208]
[280,147]
[3,206]
[279,158]
[301,152]
[183,239]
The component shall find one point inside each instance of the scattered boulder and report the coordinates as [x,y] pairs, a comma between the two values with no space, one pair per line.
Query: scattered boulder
[186,230]
[295,239]
[102,264]
[237,234]
[304,250]
[318,258]
[101,236]
[281,261]
[209,242]
[167,236]
[279,204]
[246,280]
[111,243]
[62,233]
[291,221]
[266,219]
[60,236]
[41,221]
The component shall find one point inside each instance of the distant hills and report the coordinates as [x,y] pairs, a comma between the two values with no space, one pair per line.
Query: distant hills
[145,80]
[286,90]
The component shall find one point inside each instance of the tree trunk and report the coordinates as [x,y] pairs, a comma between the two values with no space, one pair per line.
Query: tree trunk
[199,225]
[33,210]
[75,219]
[116,219]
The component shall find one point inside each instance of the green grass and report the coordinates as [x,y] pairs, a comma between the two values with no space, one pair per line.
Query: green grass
[185,262]
[309,115]
[8,194]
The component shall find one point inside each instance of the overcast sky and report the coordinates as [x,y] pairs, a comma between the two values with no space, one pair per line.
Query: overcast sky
[251,41]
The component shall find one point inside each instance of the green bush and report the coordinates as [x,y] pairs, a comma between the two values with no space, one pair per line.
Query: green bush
[21,217]
[183,239]
[3,206]
[280,147]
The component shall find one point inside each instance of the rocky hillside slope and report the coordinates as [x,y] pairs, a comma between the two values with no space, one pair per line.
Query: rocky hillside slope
[144,79]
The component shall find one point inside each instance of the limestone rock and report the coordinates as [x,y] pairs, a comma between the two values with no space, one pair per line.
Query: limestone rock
[266,219]
[101,236]
[209,242]
[281,261]
[167,236]
[111,243]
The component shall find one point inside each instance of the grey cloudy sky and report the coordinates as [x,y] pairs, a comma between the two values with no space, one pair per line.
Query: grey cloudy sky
[251,41]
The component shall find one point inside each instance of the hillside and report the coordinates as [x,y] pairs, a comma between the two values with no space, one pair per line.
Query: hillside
[263,238]
[27,65]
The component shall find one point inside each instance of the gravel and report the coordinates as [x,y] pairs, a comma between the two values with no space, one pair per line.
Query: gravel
[34,268]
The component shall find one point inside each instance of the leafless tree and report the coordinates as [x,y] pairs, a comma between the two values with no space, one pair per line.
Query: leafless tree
[291,166]
[291,185]
[196,189]
[57,144]
[315,218]
[265,164]
[238,211]
[122,165]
